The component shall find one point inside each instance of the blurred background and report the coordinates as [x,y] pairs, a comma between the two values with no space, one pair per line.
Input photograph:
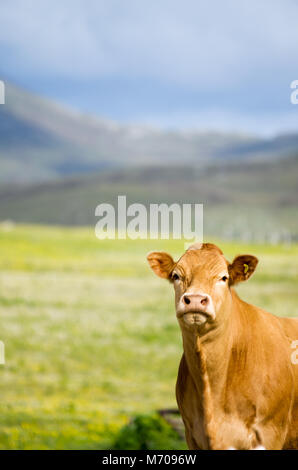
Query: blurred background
[163,102]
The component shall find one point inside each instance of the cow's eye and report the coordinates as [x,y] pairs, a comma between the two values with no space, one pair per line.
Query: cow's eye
[175,277]
[224,278]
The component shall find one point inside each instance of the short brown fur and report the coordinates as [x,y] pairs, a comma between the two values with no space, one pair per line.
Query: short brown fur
[237,386]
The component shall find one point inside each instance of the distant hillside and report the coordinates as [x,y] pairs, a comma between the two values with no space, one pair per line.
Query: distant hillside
[41,141]
[257,198]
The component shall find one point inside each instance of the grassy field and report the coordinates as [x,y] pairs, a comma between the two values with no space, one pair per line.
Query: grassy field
[90,334]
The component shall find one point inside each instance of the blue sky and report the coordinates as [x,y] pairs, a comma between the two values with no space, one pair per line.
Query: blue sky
[213,64]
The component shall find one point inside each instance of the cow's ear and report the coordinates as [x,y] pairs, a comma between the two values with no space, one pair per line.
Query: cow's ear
[161,263]
[242,268]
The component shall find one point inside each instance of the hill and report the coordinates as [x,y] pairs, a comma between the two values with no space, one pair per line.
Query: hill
[254,199]
[41,140]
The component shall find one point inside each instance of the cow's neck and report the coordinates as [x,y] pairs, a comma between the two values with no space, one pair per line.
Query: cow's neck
[207,357]
[207,351]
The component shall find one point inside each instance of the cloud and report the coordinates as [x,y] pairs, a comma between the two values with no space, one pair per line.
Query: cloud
[197,43]
[222,49]
[214,119]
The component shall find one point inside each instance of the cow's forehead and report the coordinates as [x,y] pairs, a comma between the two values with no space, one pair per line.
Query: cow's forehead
[207,259]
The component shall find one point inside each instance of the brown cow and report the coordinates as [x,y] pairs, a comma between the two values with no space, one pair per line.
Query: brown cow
[237,386]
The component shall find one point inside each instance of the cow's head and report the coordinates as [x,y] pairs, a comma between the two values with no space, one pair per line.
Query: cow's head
[202,278]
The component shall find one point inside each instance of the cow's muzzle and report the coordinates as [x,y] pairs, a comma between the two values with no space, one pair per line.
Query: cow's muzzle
[196,308]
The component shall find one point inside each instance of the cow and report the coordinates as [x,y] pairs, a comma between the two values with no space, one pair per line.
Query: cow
[237,386]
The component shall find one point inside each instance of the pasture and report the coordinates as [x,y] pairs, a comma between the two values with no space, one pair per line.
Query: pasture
[91,338]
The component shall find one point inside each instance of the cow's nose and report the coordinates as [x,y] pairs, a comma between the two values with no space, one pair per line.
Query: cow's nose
[196,301]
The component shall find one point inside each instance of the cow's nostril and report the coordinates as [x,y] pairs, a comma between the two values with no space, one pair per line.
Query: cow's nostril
[186,300]
[204,301]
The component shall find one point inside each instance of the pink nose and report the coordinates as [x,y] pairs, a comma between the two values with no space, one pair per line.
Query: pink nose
[196,302]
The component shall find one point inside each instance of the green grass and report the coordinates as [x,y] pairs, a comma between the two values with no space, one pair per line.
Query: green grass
[90,334]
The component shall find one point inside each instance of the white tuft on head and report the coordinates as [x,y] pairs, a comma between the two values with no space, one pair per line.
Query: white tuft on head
[195,246]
